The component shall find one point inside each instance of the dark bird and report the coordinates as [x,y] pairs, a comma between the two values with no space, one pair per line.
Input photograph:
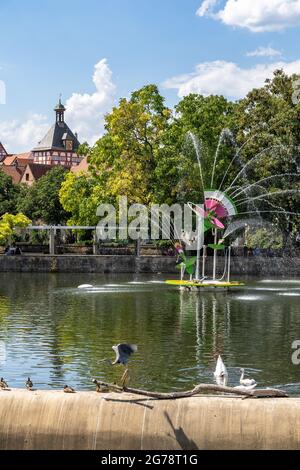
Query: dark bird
[29,384]
[3,384]
[123,352]
[99,387]
[68,389]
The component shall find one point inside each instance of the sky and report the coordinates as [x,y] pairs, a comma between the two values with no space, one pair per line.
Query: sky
[94,52]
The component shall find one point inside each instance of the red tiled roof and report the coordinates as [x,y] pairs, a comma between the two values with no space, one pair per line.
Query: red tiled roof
[9,160]
[21,158]
[38,170]
[83,166]
[24,156]
[15,173]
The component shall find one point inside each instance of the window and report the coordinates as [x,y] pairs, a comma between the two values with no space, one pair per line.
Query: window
[69,145]
[27,176]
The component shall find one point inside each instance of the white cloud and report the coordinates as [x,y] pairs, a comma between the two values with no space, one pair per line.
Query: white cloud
[18,136]
[264,52]
[2,92]
[227,78]
[255,15]
[206,7]
[85,115]
[85,112]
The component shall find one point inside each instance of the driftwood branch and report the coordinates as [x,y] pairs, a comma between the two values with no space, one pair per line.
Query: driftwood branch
[272,392]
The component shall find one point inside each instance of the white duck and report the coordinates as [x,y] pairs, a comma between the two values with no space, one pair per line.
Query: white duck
[246,382]
[221,374]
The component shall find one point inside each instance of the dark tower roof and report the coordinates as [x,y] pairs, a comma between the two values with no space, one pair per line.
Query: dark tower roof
[59,132]
[59,106]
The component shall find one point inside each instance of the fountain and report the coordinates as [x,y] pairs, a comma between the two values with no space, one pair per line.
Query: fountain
[225,211]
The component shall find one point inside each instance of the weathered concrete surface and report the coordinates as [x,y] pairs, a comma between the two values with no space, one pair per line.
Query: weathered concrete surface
[252,266]
[87,264]
[88,420]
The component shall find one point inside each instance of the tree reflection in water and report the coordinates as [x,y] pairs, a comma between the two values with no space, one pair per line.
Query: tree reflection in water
[58,334]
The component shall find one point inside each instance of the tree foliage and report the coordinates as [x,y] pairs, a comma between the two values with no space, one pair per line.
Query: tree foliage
[41,201]
[264,238]
[10,223]
[78,196]
[269,128]
[9,194]
[147,154]
[177,171]
[83,149]
[125,159]
[144,153]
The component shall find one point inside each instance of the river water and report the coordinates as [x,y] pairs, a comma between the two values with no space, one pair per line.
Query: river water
[58,334]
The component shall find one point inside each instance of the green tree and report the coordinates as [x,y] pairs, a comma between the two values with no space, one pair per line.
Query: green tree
[80,195]
[177,170]
[9,224]
[263,238]
[41,201]
[269,121]
[125,159]
[145,154]
[83,149]
[9,194]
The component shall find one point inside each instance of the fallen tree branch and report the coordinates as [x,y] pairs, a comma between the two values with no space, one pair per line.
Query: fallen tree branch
[269,393]
[196,391]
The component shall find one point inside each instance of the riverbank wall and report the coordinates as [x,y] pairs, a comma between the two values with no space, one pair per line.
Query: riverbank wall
[53,420]
[241,266]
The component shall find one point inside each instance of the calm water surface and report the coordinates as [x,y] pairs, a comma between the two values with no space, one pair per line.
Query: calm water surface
[57,334]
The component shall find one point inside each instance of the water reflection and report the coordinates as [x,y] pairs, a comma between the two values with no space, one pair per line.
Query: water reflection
[57,334]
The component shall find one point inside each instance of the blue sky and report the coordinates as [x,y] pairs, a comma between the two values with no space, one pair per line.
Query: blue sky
[50,47]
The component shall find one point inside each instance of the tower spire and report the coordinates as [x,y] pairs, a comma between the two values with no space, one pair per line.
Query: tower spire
[60,111]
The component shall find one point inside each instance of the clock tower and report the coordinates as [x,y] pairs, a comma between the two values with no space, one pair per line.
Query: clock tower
[60,144]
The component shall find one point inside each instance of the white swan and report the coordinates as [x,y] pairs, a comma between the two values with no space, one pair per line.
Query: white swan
[246,382]
[245,388]
[221,374]
[85,286]
[222,380]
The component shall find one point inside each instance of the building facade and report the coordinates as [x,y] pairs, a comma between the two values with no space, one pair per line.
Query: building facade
[3,153]
[60,145]
[19,159]
[33,172]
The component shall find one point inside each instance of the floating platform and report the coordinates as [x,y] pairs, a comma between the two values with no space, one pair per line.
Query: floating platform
[206,284]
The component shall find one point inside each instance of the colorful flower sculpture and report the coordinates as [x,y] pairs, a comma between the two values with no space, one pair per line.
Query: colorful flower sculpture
[186,264]
[217,205]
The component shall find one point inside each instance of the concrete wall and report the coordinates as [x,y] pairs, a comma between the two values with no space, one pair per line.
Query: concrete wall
[252,266]
[89,420]
[87,264]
